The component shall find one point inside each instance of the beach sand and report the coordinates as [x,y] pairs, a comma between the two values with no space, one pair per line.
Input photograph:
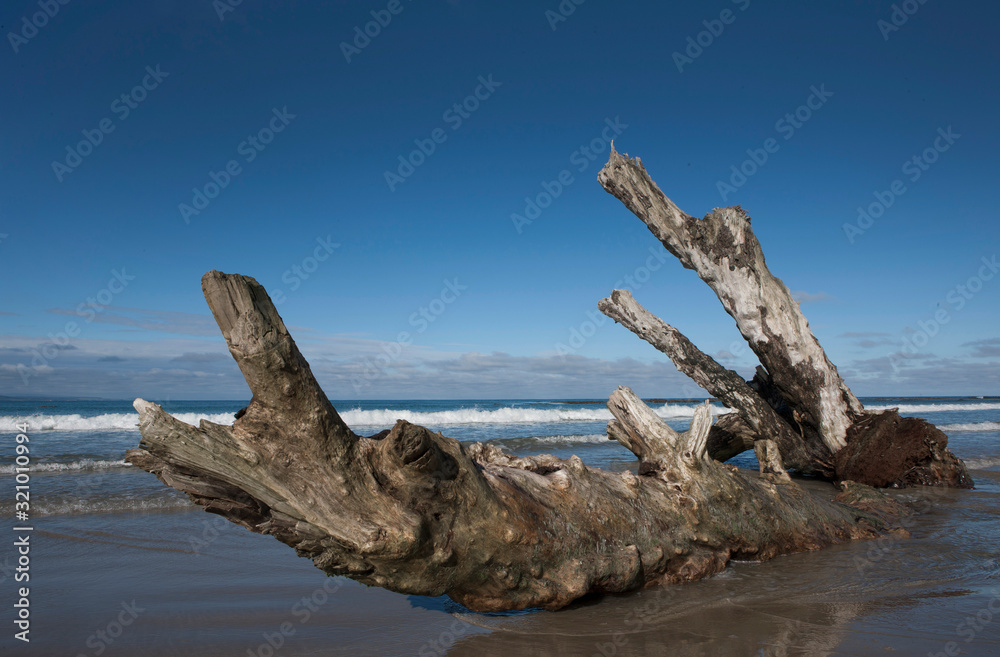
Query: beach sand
[186,583]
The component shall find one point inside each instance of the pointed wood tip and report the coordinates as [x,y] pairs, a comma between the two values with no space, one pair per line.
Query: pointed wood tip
[146,410]
[141,405]
[243,310]
[614,159]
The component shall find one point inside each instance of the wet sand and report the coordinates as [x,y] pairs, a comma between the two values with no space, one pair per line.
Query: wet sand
[186,583]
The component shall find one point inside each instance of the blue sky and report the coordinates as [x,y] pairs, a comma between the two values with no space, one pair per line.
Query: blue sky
[103,243]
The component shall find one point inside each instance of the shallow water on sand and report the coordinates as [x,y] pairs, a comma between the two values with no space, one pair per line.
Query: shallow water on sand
[123,566]
[204,587]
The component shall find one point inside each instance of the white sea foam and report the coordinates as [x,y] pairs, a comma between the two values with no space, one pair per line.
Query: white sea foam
[103,422]
[934,408]
[573,439]
[76,506]
[981,464]
[354,417]
[973,426]
[81,465]
[388,417]
[507,415]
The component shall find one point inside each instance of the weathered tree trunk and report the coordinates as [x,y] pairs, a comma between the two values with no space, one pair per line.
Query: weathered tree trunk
[728,386]
[419,513]
[798,399]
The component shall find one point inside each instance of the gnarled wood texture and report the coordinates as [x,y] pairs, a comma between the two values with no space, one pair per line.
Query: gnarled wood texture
[725,253]
[798,399]
[728,386]
[420,513]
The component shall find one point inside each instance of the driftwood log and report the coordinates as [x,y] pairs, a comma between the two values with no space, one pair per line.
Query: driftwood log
[417,512]
[797,398]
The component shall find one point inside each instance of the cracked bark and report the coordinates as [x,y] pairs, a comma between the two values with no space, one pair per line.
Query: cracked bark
[419,513]
[797,399]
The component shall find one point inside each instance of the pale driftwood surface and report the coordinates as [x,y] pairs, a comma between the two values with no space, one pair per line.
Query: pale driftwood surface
[797,399]
[724,252]
[728,386]
[420,513]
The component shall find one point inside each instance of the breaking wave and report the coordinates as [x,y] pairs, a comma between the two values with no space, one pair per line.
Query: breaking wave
[103,422]
[973,426]
[933,408]
[508,415]
[505,415]
[79,466]
[355,417]
[573,439]
[981,464]
[72,506]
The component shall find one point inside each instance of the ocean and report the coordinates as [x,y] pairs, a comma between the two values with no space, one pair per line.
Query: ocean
[119,564]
